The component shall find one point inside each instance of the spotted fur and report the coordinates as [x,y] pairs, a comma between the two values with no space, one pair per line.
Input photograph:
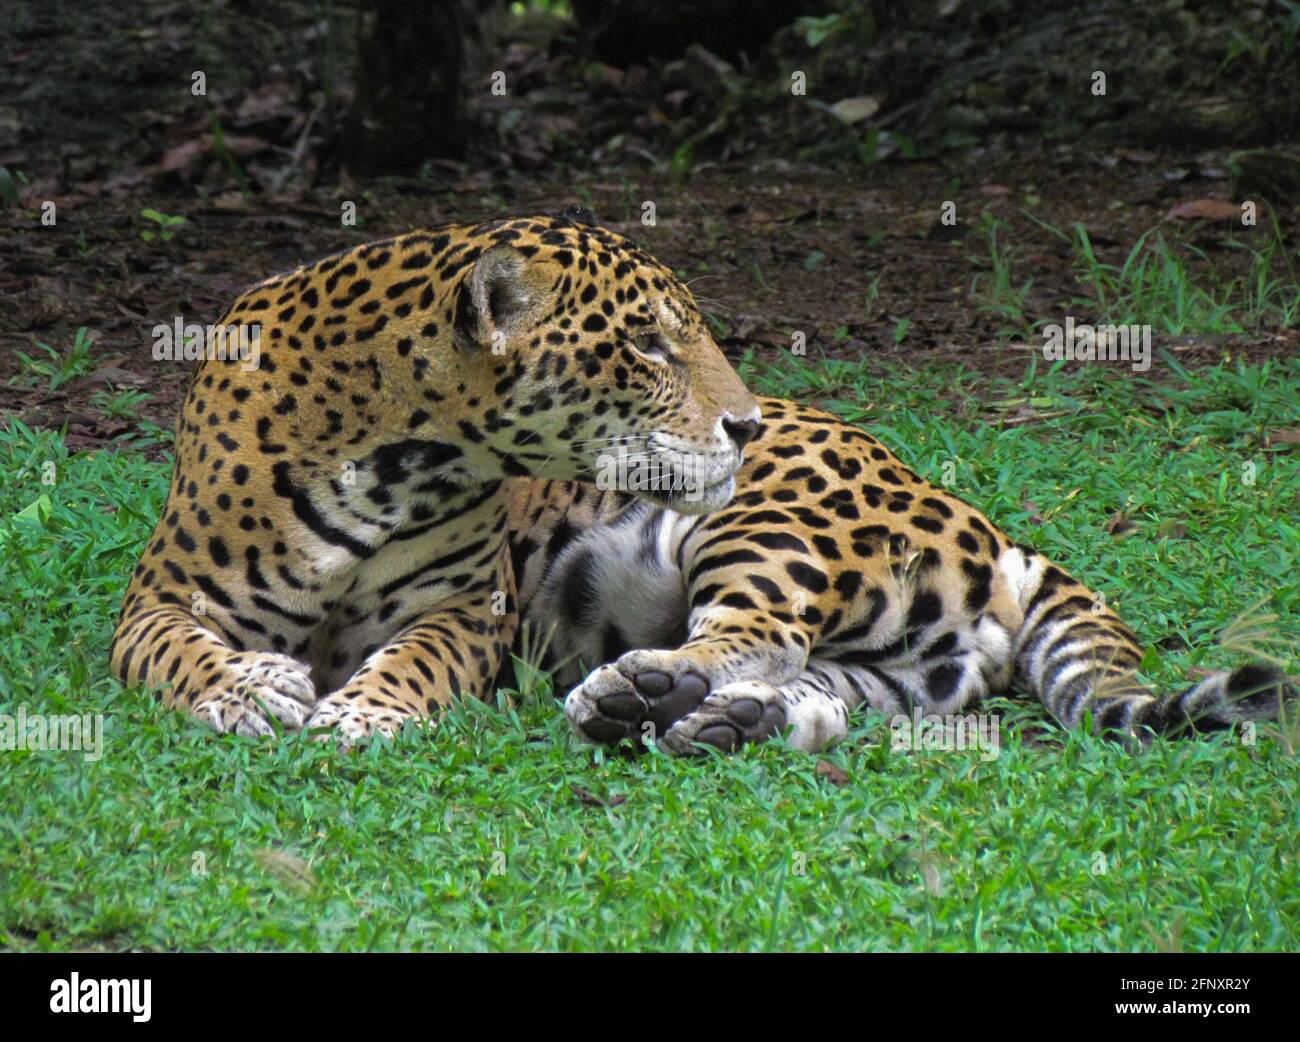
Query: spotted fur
[836,578]
[333,550]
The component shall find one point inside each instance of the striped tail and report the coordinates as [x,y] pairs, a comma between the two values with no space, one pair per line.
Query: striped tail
[1079,658]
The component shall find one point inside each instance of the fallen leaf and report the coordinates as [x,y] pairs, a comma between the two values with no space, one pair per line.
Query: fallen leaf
[1171,529]
[182,155]
[1119,524]
[1211,209]
[599,73]
[855,110]
[288,867]
[271,101]
[834,775]
[231,202]
[111,374]
[589,799]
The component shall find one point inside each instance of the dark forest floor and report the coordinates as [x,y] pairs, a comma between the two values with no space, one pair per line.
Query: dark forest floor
[861,264]
[858,260]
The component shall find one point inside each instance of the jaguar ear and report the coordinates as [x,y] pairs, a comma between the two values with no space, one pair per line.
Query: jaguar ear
[501,290]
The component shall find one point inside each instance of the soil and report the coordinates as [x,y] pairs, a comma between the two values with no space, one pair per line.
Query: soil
[856,259]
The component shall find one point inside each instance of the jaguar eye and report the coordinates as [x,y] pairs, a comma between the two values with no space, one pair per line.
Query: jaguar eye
[653,346]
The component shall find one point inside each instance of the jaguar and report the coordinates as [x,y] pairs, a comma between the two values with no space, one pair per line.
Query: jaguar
[332,552]
[453,431]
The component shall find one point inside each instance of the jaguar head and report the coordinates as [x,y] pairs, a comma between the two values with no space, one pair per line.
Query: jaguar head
[601,366]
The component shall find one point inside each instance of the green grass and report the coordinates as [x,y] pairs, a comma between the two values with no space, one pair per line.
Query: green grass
[1171,286]
[499,831]
[994,288]
[57,369]
[1177,289]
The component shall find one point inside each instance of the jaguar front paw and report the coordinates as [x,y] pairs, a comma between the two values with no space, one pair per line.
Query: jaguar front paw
[635,697]
[256,689]
[344,721]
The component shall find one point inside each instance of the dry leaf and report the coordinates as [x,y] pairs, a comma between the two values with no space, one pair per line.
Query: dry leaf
[185,154]
[1171,529]
[1119,524]
[111,374]
[589,799]
[1211,209]
[834,775]
[288,867]
[182,155]
[855,110]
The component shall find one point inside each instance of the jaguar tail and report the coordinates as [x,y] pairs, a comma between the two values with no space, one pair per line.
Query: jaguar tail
[1080,659]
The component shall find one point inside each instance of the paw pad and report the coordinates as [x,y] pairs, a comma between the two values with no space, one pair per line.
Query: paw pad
[622,706]
[668,702]
[747,720]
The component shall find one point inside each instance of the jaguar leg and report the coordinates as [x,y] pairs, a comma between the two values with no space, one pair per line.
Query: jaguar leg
[452,652]
[240,691]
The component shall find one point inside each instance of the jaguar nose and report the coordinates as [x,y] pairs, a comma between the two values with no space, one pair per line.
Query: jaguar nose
[741,432]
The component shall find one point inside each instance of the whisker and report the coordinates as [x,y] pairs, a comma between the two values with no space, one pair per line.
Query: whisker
[612,442]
